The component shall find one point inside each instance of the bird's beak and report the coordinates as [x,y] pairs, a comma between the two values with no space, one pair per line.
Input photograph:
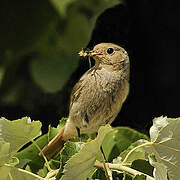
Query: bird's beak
[93,53]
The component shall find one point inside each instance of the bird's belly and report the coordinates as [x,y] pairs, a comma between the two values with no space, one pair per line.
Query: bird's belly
[101,108]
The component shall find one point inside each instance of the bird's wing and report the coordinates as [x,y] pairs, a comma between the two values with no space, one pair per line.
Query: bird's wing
[76,92]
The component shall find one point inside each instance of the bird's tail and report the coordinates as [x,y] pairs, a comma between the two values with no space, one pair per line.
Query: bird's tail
[54,146]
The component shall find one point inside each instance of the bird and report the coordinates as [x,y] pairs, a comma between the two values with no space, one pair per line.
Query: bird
[97,97]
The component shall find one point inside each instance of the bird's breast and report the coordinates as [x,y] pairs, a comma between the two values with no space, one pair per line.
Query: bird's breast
[99,100]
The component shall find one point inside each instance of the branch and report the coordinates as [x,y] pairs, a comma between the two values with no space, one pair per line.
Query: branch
[107,171]
[120,167]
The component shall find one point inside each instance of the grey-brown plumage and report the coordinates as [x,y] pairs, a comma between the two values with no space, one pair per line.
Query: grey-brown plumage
[99,94]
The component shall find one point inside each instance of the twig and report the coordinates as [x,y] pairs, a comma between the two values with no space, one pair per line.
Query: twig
[47,164]
[120,167]
[52,173]
[10,177]
[109,172]
[137,147]
[26,172]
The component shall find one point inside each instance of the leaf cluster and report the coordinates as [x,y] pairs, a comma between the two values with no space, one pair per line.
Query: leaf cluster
[116,153]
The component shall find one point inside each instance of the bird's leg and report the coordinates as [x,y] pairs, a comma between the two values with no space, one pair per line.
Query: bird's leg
[101,149]
[79,134]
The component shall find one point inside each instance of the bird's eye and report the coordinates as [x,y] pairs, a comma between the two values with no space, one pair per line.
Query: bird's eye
[110,50]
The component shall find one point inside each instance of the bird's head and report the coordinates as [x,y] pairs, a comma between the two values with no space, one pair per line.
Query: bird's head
[108,54]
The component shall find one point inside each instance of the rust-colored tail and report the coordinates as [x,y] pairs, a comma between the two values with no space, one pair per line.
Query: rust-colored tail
[54,146]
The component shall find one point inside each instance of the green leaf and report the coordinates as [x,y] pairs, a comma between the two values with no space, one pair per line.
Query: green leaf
[13,161]
[4,171]
[4,152]
[79,24]
[51,73]
[9,172]
[31,20]
[59,59]
[43,172]
[118,140]
[62,6]
[17,173]
[138,153]
[160,170]
[62,122]
[2,70]
[81,165]
[158,124]
[143,166]
[166,145]
[52,132]
[140,177]
[22,163]
[69,149]
[99,174]
[32,152]
[18,132]
[95,6]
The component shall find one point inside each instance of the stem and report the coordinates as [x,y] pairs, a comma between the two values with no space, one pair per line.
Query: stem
[26,172]
[30,173]
[134,149]
[128,169]
[120,167]
[52,174]
[105,169]
[108,172]
[10,177]
[47,164]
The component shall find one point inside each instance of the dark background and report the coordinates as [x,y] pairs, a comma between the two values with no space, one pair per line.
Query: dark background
[148,30]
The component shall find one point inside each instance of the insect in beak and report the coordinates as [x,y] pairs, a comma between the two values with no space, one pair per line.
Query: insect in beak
[91,53]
